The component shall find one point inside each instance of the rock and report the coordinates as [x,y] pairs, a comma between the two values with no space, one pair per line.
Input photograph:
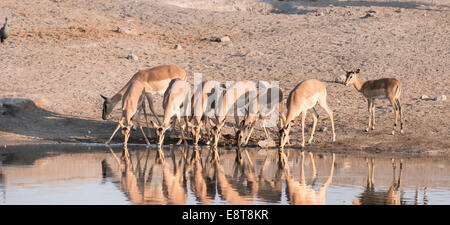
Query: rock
[13,106]
[177,47]
[424,97]
[225,39]
[132,57]
[222,39]
[126,30]
[440,98]
[340,79]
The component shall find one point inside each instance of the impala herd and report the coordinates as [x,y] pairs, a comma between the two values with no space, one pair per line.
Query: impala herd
[212,102]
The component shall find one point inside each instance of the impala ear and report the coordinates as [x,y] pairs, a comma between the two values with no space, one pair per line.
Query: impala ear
[105,98]
[357,70]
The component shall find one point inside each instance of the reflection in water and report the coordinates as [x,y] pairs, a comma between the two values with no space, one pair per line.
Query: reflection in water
[371,196]
[300,193]
[194,175]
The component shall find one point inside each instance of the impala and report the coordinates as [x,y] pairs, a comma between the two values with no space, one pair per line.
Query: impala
[303,97]
[175,100]
[199,106]
[155,79]
[237,95]
[389,88]
[274,100]
[132,98]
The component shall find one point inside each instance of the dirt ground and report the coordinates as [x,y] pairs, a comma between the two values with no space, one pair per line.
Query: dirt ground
[62,54]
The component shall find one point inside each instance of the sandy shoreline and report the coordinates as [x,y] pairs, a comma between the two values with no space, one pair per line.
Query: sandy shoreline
[62,55]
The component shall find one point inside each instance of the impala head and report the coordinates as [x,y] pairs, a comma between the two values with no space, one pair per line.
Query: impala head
[215,131]
[284,135]
[107,107]
[196,131]
[160,131]
[240,137]
[242,133]
[350,76]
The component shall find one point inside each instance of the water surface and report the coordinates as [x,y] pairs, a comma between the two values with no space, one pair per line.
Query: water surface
[80,174]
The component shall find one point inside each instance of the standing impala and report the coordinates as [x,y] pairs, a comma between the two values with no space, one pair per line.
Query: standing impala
[156,80]
[303,97]
[383,88]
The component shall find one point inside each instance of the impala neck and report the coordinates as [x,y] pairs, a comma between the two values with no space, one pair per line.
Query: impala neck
[116,98]
[358,84]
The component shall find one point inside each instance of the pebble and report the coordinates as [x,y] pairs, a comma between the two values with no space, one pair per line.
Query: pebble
[132,57]
[225,39]
[424,97]
[126,30]
[222,39]
[177,47]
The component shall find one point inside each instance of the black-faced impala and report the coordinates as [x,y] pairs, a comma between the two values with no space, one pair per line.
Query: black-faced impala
[155,79]
[389,88]
[201,99]
[175,103]
[303,97]
[272,102]
[239,95]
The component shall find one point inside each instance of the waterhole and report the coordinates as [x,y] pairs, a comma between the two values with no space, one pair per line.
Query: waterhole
[82,174]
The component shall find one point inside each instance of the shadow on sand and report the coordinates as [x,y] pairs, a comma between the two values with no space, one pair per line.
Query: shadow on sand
[298,7]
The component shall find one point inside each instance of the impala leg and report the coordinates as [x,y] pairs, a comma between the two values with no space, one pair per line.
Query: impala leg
[401,114]
[114,133]
[315,116]
[145,116]
[303,127]
[324,105]
[394,106]
[208,131]
[126,134]
[250,133]
[369,108]
[139,124]
[177,121]
[373,114]
[265,130]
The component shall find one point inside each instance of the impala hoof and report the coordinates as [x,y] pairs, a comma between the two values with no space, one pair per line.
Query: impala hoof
[367,130]
[393,132]
[401,131]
